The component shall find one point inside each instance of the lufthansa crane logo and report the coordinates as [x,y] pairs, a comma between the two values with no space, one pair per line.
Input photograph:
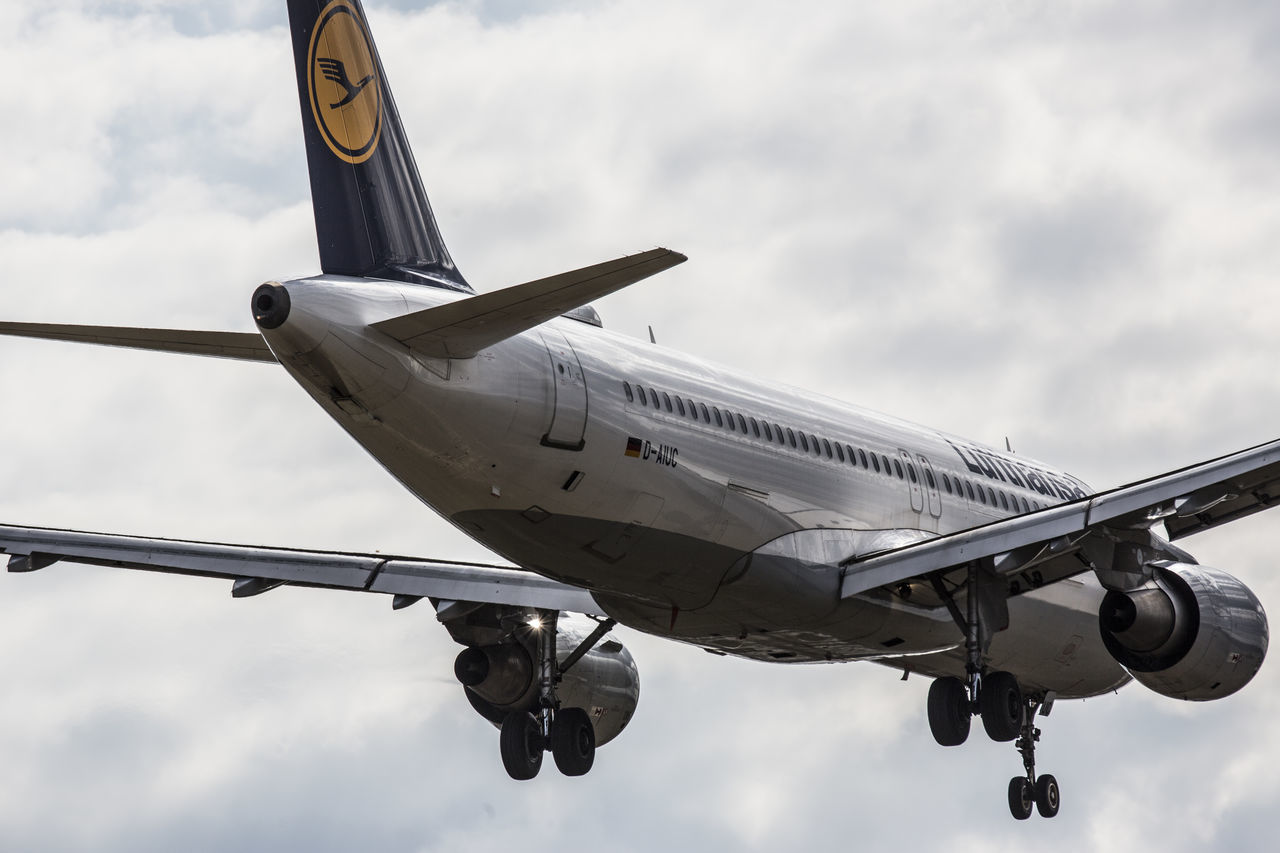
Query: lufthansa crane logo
[342,79]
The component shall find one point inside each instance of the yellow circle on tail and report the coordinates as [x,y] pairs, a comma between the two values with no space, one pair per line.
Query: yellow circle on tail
[343,84]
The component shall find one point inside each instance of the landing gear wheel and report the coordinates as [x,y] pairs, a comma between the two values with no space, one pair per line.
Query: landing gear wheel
[1021,797]
[949,714]
[521,742]
[573,741]
[1000,700]
[1047,799]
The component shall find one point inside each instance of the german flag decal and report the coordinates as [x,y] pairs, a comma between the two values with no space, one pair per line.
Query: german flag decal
[634,446]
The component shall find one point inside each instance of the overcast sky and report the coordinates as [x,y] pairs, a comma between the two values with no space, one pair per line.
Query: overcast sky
[1056,222]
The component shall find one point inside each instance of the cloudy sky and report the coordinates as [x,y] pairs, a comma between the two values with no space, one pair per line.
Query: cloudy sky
[1056,222]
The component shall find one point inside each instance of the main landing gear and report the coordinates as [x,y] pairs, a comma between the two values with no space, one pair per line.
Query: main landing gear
[1007,715]
[567,733]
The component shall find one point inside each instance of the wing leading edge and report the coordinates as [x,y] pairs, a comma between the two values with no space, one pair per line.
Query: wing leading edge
[1065,540]
[257,569]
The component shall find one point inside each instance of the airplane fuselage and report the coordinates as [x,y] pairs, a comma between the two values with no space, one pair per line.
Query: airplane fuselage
[696,503]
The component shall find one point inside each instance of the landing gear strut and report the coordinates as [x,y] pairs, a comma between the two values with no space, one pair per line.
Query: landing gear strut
[567,733]
[995,696]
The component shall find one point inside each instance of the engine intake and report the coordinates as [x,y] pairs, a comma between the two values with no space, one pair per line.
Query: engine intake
[1191,632]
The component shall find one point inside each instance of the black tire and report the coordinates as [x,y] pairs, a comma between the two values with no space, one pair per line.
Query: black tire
[1021,797]
[949,714]
[1048,798]
[522,745]
[1000,700]
[573,741]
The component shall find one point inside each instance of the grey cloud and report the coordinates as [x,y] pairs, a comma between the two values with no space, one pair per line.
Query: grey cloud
[1077,243]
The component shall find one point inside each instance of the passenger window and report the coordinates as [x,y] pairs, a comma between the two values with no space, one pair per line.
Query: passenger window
[626,386]
[1004,502]
[982,498]
[875,461]
[680,406]
[839,451]
[991,494]
[777,430]
[885,460]
[862,457]
[755,427]
[968,487]
[928,476]
[644,401]
[653,395]
[706,416]
[693,408]
[791,437]
[719,420]
[742,424]
[897,468]
[666,400]
[804,442]
[1025,506]
[768,433]
[946,483]
[826,447]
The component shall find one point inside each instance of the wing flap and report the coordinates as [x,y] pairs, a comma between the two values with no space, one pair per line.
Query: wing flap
[31,548]
[243,346]
[463,328]
[1187,501]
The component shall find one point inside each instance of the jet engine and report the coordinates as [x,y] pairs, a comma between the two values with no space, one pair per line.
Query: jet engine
[504,677]
[1191,632]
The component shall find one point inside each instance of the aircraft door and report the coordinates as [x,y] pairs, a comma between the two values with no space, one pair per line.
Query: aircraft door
[913,481]
[931,486]
[569,394]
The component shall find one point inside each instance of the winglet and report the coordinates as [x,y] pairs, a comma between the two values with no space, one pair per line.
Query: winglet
[463,328]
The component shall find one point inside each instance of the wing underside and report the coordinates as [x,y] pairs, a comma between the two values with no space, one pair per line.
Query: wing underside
[253,570]
[1046,546]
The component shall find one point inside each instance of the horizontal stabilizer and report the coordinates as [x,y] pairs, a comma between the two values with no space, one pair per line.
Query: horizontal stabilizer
[463,328]
[244,346]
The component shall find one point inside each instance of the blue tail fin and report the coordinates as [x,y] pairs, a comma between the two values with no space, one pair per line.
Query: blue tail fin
[372,215]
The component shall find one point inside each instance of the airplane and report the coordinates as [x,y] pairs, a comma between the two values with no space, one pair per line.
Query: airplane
[645,488]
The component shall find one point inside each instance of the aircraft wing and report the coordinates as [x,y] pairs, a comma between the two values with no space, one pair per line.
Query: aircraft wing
[1041,547]
[254,570]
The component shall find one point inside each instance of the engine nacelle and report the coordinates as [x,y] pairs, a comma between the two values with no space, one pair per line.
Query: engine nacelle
[605,682]
[1191,632]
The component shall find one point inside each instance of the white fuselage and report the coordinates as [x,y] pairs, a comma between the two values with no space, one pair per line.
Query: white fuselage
[696,503]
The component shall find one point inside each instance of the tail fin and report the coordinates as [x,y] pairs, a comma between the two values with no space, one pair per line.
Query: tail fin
[372,215]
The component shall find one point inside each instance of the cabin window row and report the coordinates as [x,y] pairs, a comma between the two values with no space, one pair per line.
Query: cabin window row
[775,433]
